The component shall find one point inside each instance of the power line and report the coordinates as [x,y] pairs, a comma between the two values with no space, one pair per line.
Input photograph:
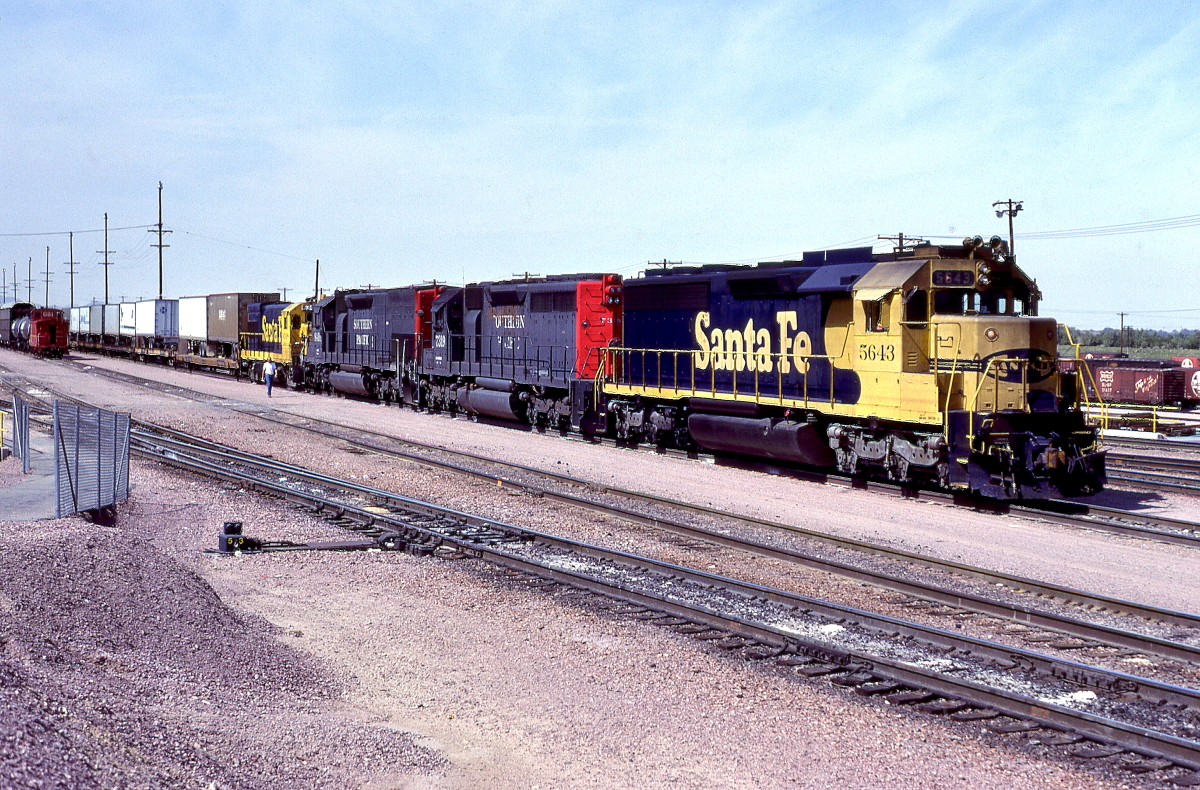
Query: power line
[1148,226]
[245,246]
[69,232]
[1113,230]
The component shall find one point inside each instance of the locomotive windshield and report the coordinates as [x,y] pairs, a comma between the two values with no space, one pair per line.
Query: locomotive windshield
[995,301]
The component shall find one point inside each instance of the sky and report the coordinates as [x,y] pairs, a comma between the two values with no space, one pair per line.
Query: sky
[402,142]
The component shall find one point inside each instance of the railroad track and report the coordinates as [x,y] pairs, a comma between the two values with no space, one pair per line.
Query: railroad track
[667,518]
[1095,711]
[665,514]
[1155,472]
[868,674]
[1132,524]
[958,599]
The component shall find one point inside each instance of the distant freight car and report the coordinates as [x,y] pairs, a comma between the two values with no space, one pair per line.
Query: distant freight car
[96,322]
[229,318]
[112,324]
[1142,382]
[38,330]
[211,327]
[156,323]
[128,327]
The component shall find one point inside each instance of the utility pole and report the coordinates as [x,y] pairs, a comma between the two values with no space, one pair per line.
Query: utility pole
[47,302]
[285,290]
[1122,338]
[71,268]
[317,285]
[159,230]
[1011,209]
[106,251]
[901,241]
[29,282]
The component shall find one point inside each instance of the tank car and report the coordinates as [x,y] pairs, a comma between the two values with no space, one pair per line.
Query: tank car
[928,365]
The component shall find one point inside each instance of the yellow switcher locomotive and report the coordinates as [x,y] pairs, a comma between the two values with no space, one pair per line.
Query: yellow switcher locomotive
[928,365]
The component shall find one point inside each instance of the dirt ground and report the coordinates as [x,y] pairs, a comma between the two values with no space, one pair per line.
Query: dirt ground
[131,659]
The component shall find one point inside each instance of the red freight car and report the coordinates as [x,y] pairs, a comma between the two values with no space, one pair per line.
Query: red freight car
[1149,386]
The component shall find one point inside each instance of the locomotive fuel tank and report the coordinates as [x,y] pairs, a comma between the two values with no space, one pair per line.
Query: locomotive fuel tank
[349,382]
[503,405]
[801,442]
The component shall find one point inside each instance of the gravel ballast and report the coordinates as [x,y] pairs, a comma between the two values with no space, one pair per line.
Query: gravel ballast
[122,668]
[515,687]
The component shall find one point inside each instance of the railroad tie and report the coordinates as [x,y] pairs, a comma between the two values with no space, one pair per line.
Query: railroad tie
[1012,725]
[883,687]
[1145,765]
[694,628]
[943,707]
[735,642]
[975,714]
[1090,750]
[911,697]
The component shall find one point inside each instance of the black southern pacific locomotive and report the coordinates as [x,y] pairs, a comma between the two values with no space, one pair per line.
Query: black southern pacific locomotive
[926,366]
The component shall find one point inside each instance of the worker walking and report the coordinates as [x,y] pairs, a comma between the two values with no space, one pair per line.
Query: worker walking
[269,374]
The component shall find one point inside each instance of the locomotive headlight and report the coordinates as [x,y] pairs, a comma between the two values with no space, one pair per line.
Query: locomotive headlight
[984,280]
[984,269]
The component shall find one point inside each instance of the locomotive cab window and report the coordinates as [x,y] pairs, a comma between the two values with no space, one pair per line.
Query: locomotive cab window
[916,306]
[953,302]
[877,315]
[994,303]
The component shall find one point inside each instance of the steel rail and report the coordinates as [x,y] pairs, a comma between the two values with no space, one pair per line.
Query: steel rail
[1131,736]
[1016,582]
[1051,512]
[1125,460]
[1156,480]
[1009,611]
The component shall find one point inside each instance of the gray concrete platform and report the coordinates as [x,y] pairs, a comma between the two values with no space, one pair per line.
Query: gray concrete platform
[32,498]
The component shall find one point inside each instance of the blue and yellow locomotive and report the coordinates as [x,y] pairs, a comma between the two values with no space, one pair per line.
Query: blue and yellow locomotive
[927,365]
